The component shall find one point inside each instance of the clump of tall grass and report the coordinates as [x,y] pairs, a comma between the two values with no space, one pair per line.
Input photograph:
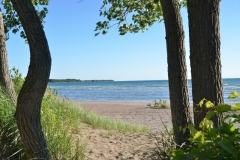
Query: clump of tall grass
[164,144]
[59,124]
[160,104]
[9,135]
[96,121]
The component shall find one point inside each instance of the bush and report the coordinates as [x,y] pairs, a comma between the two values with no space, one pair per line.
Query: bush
[211,142]
[160,104]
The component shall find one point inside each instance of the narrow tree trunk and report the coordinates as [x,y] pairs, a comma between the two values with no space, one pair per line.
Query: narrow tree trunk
[32,92]
[177,70]
[205,59]
[5,78]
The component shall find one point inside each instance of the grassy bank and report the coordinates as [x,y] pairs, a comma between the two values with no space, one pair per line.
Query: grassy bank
[60,119]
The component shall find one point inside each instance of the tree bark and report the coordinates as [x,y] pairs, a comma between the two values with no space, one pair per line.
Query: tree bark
[5,78]
[205,59]
[32,92]
[177,70]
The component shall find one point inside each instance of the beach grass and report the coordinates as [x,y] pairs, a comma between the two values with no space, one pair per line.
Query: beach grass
[95,121]
[9,135]
[59,125]
[76,114]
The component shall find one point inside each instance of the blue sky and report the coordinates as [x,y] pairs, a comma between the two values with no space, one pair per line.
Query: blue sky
[76,53]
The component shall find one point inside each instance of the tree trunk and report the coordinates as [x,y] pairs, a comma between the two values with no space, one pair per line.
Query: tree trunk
[5,78]
[205,59]
[32,92]
[177,70]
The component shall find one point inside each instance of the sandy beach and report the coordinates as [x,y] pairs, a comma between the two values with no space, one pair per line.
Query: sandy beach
[134,112]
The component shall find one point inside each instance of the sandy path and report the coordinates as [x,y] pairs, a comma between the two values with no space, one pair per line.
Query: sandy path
[110,145]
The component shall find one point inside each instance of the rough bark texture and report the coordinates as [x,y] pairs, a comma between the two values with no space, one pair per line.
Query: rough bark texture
[205,59]
[5,78]
[177,70]
[31,94]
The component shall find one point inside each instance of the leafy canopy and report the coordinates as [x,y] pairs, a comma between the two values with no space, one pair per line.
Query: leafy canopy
[143,13]
[12,21]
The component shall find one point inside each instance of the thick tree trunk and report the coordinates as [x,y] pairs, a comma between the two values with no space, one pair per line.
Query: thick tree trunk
[5,78]
[205,55]
[32,92]
[177,70]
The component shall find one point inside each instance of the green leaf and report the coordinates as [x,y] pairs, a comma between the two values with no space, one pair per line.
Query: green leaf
[232,128]
[197,135]
[209,104]
[104,32]
[228,129]
[208,124]
[233,95]
[236,107]
[201,102]
[178,154]
[223,108]
[96,34]
[122,33]
[184,130]
[228,147]
[210,114]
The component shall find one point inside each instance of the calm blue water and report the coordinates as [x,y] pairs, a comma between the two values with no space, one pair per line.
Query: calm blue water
[128,90]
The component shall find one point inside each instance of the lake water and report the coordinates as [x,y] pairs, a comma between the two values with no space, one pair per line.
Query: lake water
[129,90]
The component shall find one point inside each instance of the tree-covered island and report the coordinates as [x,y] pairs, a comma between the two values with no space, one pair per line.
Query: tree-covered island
[76,80]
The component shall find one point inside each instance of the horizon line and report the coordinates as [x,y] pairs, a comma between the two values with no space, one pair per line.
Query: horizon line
[122,80]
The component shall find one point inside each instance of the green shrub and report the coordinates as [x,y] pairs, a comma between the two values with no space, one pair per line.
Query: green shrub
[17,79]
[210,142]
[160,104]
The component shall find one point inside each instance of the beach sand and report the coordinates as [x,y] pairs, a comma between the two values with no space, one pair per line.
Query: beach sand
[134,112]
[109,145]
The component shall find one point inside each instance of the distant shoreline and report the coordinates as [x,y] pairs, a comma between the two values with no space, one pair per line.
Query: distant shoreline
[76,80]
[109,80]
